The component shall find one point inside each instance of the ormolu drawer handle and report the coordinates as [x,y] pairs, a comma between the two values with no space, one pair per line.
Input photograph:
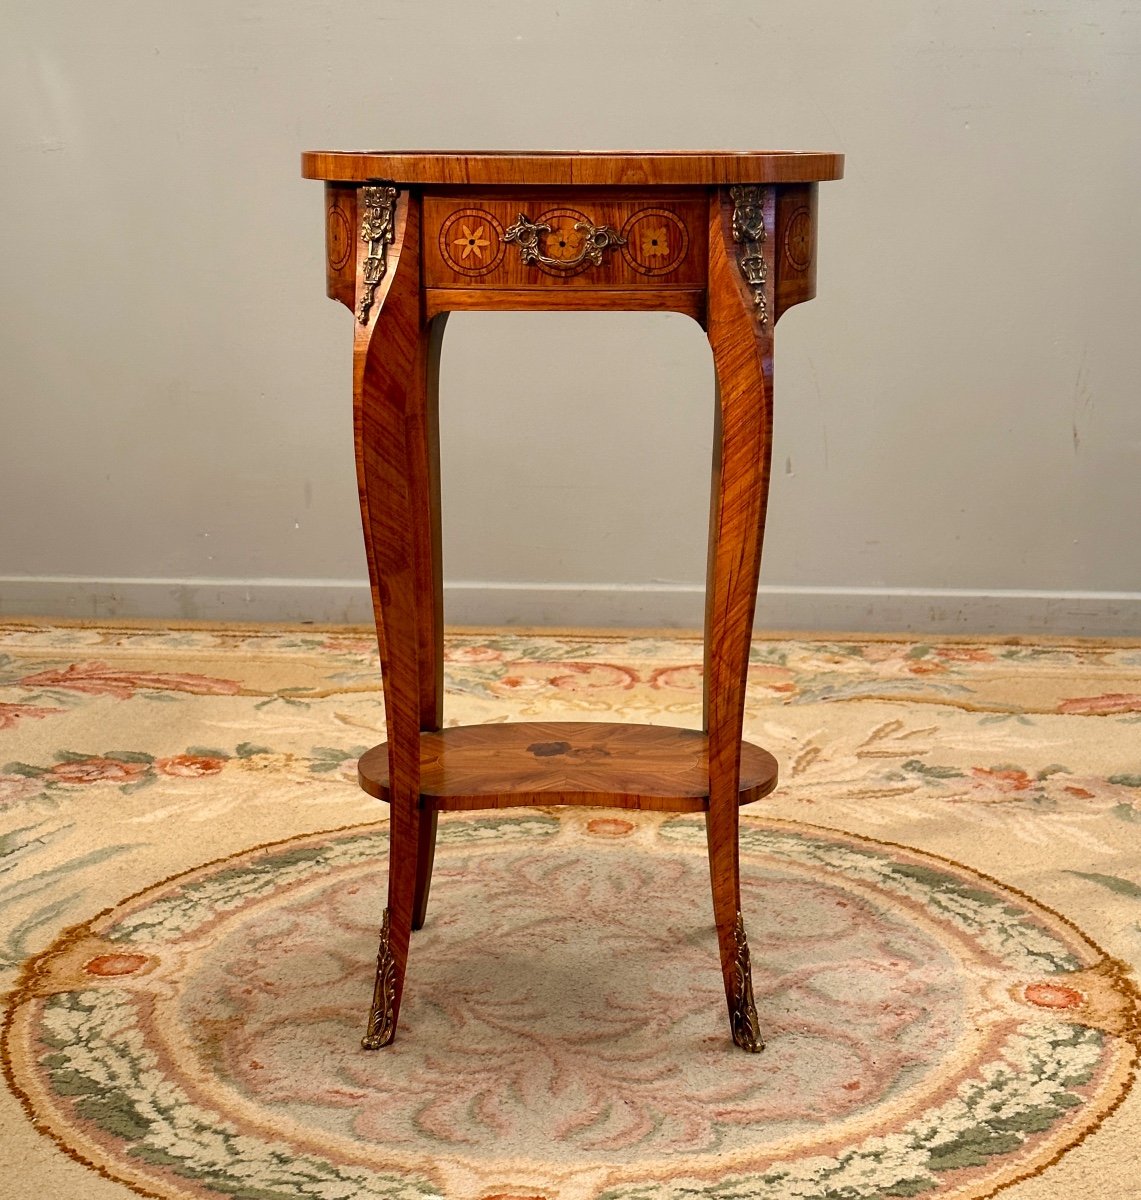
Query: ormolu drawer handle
[595,239]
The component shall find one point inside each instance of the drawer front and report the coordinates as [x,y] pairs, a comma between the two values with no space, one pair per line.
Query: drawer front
[525,241]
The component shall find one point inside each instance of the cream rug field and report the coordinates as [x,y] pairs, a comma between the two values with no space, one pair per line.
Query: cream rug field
[943,900]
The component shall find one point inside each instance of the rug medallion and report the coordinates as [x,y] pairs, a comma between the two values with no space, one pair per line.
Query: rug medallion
[930,1031]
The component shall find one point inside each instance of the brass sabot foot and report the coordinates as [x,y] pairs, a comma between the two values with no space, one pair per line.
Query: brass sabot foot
[746,1036]
[382,1016]
[743,1011]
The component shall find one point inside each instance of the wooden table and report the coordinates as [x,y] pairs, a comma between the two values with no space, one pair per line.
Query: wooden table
[727,238]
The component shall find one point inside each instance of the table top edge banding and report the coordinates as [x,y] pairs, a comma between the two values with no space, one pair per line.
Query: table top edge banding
[571,169]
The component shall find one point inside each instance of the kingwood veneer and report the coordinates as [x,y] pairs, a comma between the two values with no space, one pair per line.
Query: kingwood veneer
[730,240]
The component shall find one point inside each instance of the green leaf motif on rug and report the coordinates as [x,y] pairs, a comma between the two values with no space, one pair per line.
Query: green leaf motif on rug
[1123,887]
[930,771]
[534,825]
[22,768]
[1027,1090]
[249,750]
[16,849]
[324,759]
[96,1058]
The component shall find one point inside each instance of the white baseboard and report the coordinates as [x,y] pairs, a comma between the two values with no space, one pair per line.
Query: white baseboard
[871,610]
[868,610]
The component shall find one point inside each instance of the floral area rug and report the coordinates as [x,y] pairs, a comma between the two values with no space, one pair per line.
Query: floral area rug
[943,900]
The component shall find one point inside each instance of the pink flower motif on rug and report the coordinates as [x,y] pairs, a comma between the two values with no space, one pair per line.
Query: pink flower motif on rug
[564,677]
[11,713]
[112,965]
[96,770]
[190,766]
[610,827]
[1008,779]
[1053,995]
[100,679]
[14,788]
[690,677]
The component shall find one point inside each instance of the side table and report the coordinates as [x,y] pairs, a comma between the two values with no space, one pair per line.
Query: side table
[727,238]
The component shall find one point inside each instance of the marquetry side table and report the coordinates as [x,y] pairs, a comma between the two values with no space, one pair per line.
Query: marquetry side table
[727,238]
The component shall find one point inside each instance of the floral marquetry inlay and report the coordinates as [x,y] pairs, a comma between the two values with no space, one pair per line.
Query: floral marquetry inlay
[518,240]
[564,240]
[657,241]
[471,241]
[567,242]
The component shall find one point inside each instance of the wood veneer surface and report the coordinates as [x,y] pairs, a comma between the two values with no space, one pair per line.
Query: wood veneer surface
[602,168]
[568,762]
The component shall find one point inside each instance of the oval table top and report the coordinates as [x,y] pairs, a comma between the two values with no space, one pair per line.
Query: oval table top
[602,168]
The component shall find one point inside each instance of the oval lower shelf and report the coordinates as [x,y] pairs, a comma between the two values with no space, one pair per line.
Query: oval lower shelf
[564,762]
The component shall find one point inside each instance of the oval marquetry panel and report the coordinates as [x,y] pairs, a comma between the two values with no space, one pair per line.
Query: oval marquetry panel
[338,237]
[564,762]
[798,240]
[340,241]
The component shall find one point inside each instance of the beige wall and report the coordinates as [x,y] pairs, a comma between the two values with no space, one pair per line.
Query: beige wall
[958,437]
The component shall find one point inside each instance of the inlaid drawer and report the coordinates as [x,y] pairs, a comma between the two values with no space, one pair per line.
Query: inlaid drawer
[526,240]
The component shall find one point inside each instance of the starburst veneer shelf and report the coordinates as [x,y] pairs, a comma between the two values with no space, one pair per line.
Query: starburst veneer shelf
[728,239]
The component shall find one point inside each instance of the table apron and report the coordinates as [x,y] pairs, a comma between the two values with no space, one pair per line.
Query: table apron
[565,240]
[657,260]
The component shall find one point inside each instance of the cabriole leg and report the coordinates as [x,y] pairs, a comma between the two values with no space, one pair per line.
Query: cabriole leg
[394,456]
[739,326]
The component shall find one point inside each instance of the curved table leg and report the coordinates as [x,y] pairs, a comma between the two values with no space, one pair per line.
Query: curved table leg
[398,483]
[423,475]
[425,857]
[739,326]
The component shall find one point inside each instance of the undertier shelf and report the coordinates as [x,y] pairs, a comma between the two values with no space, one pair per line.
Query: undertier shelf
[563,762]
